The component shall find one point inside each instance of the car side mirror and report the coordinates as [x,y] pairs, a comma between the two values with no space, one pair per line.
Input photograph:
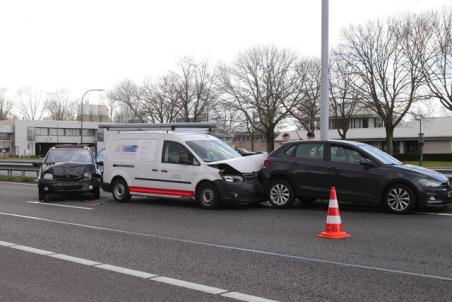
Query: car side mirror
[37,164]
[367,163]
[100,163]
[186,161]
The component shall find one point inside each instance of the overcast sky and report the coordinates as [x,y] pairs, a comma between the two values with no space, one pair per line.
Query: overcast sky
[82,44]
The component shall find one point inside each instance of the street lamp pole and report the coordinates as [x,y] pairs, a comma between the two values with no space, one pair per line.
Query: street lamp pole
[324,94]
[81,113]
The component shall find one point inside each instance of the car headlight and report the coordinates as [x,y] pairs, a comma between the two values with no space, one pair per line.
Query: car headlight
[430,183]
[47,176]
[87,176]
[232,178]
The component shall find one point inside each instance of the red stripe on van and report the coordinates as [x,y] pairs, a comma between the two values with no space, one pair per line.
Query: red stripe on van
[182,193]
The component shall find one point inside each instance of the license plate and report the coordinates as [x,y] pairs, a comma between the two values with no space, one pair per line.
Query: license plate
[449,194]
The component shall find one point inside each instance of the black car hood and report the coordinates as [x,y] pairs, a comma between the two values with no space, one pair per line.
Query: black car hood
[423,171]
[67,170]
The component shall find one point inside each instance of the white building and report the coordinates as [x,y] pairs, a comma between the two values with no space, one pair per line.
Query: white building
[29,138]
[437,135]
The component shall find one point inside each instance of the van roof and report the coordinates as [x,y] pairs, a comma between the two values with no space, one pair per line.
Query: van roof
[178,135]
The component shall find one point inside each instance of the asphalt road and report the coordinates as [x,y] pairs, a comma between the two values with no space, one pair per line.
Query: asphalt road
[165,250]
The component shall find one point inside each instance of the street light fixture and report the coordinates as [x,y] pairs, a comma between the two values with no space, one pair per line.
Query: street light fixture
[81,113]
[421,141]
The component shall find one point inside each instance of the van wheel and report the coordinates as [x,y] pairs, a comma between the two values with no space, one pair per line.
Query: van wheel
[399,199]
[207,196]
[121,190]
[281,194]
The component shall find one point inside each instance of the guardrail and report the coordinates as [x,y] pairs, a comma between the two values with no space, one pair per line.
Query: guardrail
[22,166]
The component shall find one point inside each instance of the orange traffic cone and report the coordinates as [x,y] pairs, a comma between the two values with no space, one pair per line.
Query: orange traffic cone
[333,226]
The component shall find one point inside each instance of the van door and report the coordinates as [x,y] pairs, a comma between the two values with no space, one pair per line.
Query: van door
[175,172]
[146,166]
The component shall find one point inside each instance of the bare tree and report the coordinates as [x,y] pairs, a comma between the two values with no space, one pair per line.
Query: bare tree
[193,82]
[59,107]
[6,106]
[263,85]
[126,93]
[438,59]
[307,109]
[30,105]
[344,98]
[387,62]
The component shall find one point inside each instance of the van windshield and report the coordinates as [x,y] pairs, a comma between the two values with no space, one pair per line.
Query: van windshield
[212,150]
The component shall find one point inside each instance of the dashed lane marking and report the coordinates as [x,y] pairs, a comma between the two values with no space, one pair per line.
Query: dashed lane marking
[59,205]
[221,246]
[126,271]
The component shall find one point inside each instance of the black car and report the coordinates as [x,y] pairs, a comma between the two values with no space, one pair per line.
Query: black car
[69,170]
[360,172]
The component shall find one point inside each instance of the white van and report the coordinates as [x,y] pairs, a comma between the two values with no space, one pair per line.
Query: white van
[179,165]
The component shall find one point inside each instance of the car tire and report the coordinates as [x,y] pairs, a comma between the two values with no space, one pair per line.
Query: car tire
[41,196]
[399,199]
[280,194]
[120,190]
[207,196]
[96,193]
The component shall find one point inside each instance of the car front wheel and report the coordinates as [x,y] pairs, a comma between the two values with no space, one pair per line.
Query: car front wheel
[399,199]
[281,194]
[207,196]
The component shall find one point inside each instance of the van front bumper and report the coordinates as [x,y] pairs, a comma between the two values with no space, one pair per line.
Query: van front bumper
[248,191]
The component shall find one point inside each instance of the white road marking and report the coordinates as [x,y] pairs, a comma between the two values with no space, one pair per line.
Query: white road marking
[75,259]
[221,246]
[245,297]
[125,271]
[139,274]
[59,205]
[4,243]
[190,285]
[31,250]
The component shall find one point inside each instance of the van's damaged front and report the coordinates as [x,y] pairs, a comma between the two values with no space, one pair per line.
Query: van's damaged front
[236,186]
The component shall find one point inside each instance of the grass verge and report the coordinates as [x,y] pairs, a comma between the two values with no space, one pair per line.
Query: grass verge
[26,179]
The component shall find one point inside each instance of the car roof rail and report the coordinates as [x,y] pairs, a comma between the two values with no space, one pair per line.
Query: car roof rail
[158,127]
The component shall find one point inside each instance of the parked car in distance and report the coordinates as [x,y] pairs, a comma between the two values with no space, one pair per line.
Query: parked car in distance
[179,165]
[360,172]
[68,170]
[244,152]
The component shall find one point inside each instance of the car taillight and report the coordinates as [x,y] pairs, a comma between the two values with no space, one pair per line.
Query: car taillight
[267,162]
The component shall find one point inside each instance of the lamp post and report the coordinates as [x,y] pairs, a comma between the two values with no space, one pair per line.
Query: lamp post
[421,142]
[324,95]
[81,113]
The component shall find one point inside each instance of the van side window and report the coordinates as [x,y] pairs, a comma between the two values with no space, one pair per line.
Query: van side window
[175,153]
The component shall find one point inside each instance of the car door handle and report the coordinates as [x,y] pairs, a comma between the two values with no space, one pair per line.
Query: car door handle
[155,170]
[164,171]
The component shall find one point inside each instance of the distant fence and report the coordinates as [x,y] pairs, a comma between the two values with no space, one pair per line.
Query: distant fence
[22,166]
[427,157]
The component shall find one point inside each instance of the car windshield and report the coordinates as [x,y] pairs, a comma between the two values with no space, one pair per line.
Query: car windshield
[212,150]
[384,157]
[69,155]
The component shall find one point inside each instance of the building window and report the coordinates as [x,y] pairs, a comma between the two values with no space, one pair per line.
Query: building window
[88,132]
[378,122]
[41,131]
[365,123]
[412,147]
[72,132]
